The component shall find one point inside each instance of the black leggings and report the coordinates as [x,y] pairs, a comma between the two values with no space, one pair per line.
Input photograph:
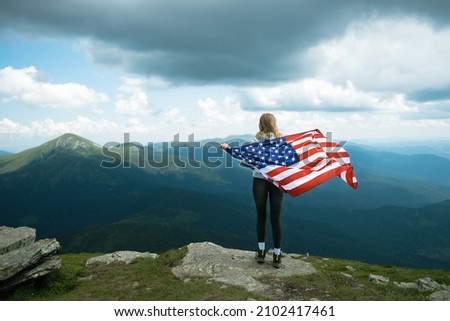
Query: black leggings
[261,189]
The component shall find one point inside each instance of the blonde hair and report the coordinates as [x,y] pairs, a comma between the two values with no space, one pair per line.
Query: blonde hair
[267,126]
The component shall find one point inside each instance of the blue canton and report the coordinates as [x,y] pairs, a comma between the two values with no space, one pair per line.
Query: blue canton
[268,152]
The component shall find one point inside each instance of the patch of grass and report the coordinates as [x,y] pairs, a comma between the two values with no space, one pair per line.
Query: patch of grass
[346,280]
[54,284]
[173,257]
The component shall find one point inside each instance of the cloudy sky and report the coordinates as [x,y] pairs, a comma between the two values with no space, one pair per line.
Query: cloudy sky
[363,70]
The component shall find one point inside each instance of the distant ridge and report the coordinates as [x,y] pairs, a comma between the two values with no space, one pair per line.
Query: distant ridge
[231,138]
[65,143]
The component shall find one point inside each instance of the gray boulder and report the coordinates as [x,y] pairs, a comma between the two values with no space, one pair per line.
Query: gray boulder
[125,257]
[407,285]
[428,284]
[441,292]
[378,279]
[236,267]
[443,295]
[22,258]
[14,238]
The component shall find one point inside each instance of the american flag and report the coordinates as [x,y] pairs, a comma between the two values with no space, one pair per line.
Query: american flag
[297,163]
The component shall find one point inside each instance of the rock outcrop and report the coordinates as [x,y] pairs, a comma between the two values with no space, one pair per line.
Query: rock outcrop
[23,258]
[236,267]
[378,279]
[439,292]
[443,295]
[125,257]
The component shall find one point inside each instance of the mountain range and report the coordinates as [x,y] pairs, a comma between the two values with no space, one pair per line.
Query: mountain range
[399,215]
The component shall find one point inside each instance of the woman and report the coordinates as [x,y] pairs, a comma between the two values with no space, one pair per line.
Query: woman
[264,190]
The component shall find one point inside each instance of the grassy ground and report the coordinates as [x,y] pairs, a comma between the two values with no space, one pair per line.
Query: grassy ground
[151,279]
[347,280]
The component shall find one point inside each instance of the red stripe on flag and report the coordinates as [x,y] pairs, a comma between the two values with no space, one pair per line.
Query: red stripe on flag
[304,172]
[299,136]
[350,178]
[310,184]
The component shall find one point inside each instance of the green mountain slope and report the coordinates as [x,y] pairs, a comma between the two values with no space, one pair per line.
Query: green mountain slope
[390,236]
[60,188]
[66,143]
[419,235]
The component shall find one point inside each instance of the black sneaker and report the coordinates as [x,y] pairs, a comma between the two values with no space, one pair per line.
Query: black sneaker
[260,256]
[276,261]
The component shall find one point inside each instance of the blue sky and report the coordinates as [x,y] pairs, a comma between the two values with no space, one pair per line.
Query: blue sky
[371,70]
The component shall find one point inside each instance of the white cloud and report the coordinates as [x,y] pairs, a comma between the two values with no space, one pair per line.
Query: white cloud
[223,118]
[210,110]
[321,95]
[385,54]
[173,121]
[9,128]
[48,127]
[158,127]
[135,125]
[136,102]
[29,86]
